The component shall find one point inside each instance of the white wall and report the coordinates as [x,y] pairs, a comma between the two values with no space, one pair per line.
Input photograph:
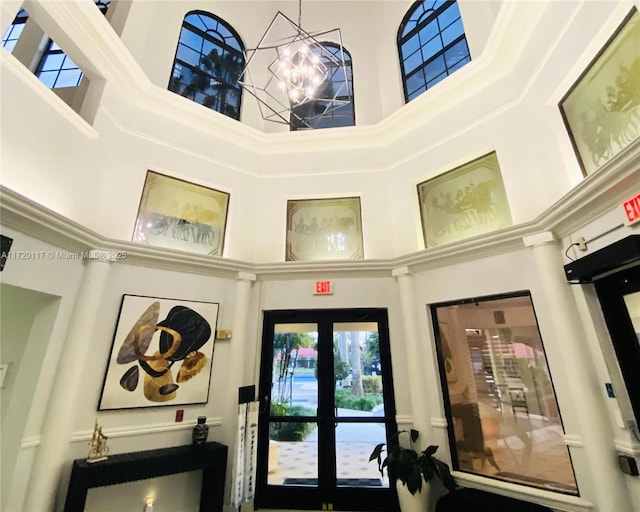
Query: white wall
[50,283]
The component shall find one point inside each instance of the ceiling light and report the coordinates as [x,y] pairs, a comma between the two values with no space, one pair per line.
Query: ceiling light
[291,68]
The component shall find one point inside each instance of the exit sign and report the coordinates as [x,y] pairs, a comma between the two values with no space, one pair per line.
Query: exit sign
[631,209]
[323,288]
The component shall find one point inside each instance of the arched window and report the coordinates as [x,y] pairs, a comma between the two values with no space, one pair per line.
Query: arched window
[56,69]
[432,45]
[208,63]
[10,37]
[337,111]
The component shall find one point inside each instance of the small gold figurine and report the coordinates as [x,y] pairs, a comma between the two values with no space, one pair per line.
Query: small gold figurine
[98,444]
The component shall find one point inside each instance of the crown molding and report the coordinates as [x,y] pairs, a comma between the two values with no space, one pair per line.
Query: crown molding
[595,195]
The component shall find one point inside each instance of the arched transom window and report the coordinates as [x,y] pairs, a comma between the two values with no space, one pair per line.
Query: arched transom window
[208,63]
[432,45]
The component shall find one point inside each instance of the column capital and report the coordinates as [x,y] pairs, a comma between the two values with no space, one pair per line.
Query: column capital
[245,276]
[543,238]
[401,271]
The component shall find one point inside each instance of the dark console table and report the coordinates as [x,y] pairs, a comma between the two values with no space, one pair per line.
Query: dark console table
[128,467]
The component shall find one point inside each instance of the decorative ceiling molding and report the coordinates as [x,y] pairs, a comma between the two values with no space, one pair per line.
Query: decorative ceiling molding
[595,195]
[93,43]
[150,112]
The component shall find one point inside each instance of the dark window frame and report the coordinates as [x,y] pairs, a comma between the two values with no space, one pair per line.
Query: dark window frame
[218,42]
[20,19]
[611,291]
[455,460]
[368,499]
[51,51]
[402,38]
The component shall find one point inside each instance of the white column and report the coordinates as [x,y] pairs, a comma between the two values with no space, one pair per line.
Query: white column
[416,360]
[597,436]
[238,342]
[237,374]
[58,423]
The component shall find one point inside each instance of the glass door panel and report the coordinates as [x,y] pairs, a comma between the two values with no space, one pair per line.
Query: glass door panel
[619,295]
[294,389]
[357,371]
[359,403]
[293,453]
[354,444]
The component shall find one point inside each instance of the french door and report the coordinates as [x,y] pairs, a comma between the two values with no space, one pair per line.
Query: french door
[619,296]
[326,395]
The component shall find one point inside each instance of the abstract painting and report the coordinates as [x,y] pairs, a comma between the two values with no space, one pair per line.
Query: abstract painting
[180,215]
[602,109]
[324,229]
[161,354]
[467,201]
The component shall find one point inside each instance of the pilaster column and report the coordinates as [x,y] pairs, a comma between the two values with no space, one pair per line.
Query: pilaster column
[237,373]
[597,436]
[58,422]
[414,353]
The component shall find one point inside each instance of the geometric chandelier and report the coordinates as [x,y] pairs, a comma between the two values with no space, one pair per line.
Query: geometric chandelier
[291,73]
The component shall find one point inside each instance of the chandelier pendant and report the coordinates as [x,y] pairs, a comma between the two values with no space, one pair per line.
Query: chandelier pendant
[290,73]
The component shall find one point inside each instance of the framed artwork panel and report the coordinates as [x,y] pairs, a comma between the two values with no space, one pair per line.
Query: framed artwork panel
[467,201]
[180,215]
[162,353]
[602,109]
[324,229]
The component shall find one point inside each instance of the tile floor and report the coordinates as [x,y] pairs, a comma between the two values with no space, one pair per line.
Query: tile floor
[548,460]
[298,460]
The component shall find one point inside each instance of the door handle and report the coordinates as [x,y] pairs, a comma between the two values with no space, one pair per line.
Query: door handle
[265,405]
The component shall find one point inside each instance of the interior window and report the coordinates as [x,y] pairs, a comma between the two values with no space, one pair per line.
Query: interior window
[501,407]
[56,69]
[12,34]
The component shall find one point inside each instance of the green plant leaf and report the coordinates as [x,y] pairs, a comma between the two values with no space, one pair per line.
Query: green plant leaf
[414,482]
[377,451]
[444,474]
[430,450]
[406,465]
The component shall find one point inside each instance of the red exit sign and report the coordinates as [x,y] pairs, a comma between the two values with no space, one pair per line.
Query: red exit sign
[631,209]
[323,288]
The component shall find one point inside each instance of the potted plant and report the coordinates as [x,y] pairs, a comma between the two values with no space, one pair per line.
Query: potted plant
[408,468]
